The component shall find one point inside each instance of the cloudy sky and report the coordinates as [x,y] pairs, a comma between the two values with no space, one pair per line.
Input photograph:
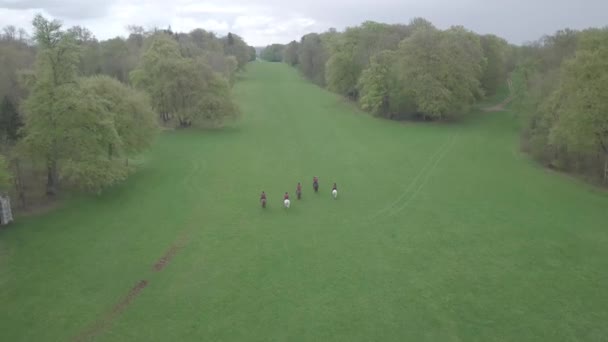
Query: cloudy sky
[262,22]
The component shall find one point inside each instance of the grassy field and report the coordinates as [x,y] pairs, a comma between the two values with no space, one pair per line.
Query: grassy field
[442,232]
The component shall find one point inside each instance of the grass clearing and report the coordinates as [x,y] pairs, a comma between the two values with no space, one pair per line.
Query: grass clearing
[442,232]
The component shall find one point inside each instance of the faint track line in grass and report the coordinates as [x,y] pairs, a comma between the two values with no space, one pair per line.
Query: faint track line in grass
[424,182]
[420,173]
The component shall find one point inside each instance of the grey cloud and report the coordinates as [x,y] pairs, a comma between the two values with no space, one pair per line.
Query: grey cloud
[267,21]
[62,9]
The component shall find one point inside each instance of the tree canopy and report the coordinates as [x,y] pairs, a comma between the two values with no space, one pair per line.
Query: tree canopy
[273,53]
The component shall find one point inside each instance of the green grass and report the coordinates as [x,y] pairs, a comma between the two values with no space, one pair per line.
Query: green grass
[442,232]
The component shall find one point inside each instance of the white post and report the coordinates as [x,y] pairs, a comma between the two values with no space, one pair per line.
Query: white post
[6,215]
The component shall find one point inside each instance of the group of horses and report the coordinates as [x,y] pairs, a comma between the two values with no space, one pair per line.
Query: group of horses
[287,202]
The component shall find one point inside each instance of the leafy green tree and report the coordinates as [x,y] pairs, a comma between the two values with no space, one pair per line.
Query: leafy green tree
[5,177]
[342,73]
[55,87]
[580,104]
[495,51]
[80,126]
[131,113]
[115,59]
[273,53]
[253,54]
[236,46]
[184,88]
[352,52]
[290,55]
[380,90]
[312,56]
[15,55]
[155,73]
[10,121]
[440,71]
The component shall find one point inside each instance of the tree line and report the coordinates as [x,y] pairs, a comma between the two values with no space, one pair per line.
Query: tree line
[562,94]
[74,109]
[417,71]
[413,71]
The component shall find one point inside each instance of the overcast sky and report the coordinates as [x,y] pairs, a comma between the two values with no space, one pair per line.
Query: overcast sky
[262,22]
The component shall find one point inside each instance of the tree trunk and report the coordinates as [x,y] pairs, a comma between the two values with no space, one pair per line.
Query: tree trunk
[606,168]
[19,184]
[51,172]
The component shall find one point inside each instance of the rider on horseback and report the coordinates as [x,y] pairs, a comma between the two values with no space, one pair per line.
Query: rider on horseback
[299,190]
[315,183]
[263,199]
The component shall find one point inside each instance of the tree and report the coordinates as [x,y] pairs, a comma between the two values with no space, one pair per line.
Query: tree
[5,177]
[379,86]
[154,73]
[115,59]
[15,55]
[252,54]
[273,53]
[352,52]
[440,71]
[342,74]
[132,115]
[54,88]
[10,122]
[312,56]
[184,88]
[495,51]
[290,55]
[236,46]
[580,104]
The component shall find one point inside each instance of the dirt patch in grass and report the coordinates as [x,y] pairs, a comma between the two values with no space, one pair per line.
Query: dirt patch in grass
[105,321]
[179,243]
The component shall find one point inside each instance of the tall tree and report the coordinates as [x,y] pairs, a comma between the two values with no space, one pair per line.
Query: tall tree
[5,177]
[495,51]
[273,53]
[440,71]
[236,46]
[131,113]
[380,90]
[312,56]
[10,121]
[55,86]
[253,54]
[580,104]
[184,89]
[154,72]
[290,55]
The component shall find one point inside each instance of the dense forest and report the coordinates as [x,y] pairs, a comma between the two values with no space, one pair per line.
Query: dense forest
[419,72]
[74,110]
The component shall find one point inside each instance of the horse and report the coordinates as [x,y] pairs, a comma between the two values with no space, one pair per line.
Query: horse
[315,185]
[286,203]
[263,202]
[299,194]
[334,193]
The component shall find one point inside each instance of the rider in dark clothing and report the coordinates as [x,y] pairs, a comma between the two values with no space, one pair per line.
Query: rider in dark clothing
[263,198]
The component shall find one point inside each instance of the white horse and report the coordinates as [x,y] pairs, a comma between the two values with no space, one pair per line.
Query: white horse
[334,193]
[286,203]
